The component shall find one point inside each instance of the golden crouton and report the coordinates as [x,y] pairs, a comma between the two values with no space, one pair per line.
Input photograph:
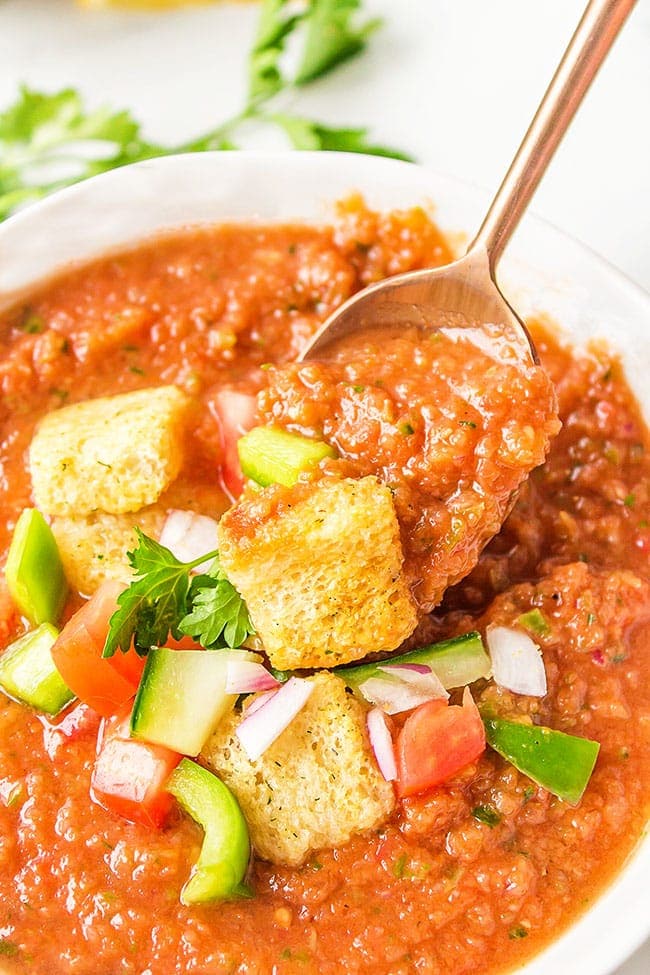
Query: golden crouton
[114,454]
[93,547]
[315,786]
[322,578]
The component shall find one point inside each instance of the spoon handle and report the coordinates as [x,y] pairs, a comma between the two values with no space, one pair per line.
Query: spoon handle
[595,34]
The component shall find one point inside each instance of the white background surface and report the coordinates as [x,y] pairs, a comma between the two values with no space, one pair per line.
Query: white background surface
[454,82]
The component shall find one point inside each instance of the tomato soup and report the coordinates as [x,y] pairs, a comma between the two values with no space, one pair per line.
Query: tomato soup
[479,873]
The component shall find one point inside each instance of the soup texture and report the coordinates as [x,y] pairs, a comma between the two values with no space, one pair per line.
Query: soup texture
[477,874]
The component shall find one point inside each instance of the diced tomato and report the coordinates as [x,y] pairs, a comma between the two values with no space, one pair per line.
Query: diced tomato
[235,413]
[130,775]
[437,741]
[184,643]
[104,684]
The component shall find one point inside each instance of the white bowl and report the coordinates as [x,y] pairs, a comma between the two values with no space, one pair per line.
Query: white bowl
[543,271]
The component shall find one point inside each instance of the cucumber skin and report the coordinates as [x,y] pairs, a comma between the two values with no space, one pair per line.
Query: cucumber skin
[272,455]
[462,655]
[50,695]
[167,710]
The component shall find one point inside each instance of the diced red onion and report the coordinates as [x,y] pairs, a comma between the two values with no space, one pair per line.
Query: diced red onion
[395,695]
[382,743]
[188,536]
[261,728]
[248,677]
[517,663]
[259,702]
[415,668]
[424,680]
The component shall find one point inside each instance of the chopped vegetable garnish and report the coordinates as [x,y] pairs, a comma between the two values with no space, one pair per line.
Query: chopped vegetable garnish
[271,455]
[220,870]
[34,571]
[188,536]
[402,688]
[244,675]
[262,726]
[130,777]
[436,742]
[535,621]
[181,698]
[28,673]
[558,762]
[455,662]
[382,743]
[235,413]
[517,663]
[165,599]
[106,685]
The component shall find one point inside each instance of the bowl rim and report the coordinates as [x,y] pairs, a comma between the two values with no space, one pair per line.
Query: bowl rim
[620,901]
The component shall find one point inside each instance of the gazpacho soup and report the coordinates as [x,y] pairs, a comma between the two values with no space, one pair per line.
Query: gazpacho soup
[309,667]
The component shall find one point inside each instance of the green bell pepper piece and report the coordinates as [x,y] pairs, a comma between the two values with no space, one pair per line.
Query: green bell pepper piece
[28,673]
[34,571]
[456,662]
[560,763]
[271,455]
[223,861]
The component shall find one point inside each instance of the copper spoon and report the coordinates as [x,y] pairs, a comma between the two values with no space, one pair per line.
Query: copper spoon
[465,293]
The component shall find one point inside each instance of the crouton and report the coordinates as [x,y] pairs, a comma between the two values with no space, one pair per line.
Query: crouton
[315,786]
[115,454]
[93,547]
[322,577]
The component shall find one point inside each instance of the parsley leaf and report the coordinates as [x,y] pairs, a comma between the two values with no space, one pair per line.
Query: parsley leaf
[331,37]
[164,599]
[305,134]
[273,29]
[219,616]
[48,141]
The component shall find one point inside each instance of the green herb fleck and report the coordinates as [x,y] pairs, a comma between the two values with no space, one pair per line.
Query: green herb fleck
[136,370]
[518,932]
[487,814]
[629,500]
[468,423]
[591,619]
[406,429]
[31,324]
[7,948]
[399,867]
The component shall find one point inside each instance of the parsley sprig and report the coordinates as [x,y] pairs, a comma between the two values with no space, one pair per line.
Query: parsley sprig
[48,141]
[164,599]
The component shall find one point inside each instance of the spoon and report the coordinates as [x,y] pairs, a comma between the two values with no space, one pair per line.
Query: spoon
[465,293]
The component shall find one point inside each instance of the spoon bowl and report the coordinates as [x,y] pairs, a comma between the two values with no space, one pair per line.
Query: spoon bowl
[461,295]
[465,294]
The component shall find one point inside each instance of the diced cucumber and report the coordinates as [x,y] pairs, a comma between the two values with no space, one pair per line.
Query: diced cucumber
[271,455]
[223,861]
[535,622]
[456,662]
[34,571]
[181,698]
[558,762]
[28,673]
